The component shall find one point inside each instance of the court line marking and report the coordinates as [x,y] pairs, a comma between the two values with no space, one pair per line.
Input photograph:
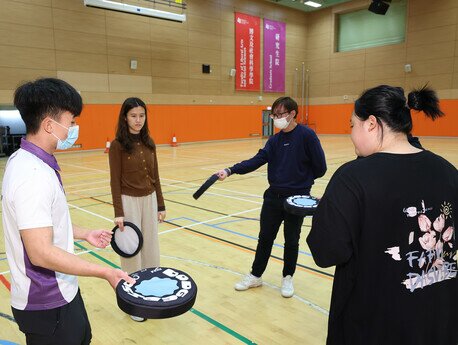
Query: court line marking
[187,228]
[215,226]
[273,286]
[210,220]
[195,311]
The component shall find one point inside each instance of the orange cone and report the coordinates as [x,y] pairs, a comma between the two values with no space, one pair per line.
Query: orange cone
[174,141]
[107,146]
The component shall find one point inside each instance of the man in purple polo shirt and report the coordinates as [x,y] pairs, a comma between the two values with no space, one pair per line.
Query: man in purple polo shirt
[39,235]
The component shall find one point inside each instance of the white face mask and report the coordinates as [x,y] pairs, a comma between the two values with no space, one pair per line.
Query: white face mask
[282,123]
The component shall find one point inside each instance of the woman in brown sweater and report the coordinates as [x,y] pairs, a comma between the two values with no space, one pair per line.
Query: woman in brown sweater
[135,184]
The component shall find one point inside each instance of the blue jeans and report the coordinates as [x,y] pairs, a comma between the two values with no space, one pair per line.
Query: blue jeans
[272,215]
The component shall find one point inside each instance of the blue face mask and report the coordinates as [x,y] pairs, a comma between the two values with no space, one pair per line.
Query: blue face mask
[71,137]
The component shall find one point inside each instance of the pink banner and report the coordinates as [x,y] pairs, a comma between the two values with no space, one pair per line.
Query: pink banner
[247,52]
[274,56]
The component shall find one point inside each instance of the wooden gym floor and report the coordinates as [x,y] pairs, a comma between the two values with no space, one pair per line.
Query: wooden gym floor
[213,239]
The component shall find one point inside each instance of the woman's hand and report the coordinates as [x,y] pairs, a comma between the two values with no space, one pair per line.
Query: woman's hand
[119,221]
[161,216]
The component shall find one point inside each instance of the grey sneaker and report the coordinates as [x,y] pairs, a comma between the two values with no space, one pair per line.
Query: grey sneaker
[287,288]
[137,318]
[248,281]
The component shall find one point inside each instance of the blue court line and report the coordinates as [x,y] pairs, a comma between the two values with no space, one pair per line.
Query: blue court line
[238,233]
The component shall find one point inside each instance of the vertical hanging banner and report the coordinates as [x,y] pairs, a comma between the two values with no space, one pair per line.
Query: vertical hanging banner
[247,52]
[274,56]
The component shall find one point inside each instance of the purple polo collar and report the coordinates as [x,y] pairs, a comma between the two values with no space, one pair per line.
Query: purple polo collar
[40,153]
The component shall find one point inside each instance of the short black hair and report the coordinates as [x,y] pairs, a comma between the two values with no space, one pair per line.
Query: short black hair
[287,102]
[45,97]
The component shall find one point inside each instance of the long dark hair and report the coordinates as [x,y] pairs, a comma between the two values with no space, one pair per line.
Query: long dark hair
[122,131]
[389,105]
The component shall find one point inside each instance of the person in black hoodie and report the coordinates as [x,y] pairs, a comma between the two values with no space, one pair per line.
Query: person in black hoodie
[294,158]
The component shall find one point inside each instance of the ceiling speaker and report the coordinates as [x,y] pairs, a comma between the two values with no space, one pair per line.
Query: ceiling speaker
[379,7]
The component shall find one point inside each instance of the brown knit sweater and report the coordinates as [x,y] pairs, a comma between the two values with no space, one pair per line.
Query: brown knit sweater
[133,174]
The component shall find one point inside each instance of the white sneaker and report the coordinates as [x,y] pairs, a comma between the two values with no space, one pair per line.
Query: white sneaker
[248,281]
[287,288]
[137,318]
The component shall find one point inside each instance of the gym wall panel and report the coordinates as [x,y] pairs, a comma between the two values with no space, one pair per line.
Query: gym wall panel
[212,9]
[170,69]
[432,19]
[203,24]
[171,86]
[346,88]
[319,78]
[395,54]
[346,75]
[25,57]
[88,21]
[320,90]
[80,42]
[435,35]
[131,48]
[426,6]
[204,87]
[169,52]
[204,40]
[12,77]
[81,62]
[204,56]
[347,61]
[129,83]
[75,6]
[26,36]
[126,27]
[387,71]
[26,14]
[383,81]
[86,82]
[121,65]
[168,35]
[437,81]
[37,2]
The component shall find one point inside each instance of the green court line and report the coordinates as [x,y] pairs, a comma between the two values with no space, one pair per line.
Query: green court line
[194,311]
[222,327]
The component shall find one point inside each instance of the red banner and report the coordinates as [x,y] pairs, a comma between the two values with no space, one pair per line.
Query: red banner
[247,52]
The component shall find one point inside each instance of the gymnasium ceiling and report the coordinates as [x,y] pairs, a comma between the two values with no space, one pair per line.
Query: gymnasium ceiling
[299,4]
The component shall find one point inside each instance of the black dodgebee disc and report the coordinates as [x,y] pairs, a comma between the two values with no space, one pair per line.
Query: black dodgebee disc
[158,293]
[127,243]
[301,205]
[207,184]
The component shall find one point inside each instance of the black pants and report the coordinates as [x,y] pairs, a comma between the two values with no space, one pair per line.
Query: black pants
[272,215]
[67,325]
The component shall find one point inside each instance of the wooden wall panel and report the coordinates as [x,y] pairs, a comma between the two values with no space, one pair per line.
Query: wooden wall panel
[80,42]
[81,62]
[26,36]
[131,47]
[79,21]
[25,14]
[128,83]
[25,57]
[13,77]
[86,82]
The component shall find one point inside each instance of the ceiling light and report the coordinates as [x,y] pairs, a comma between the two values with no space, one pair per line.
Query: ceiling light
[312,4]
[142,11]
